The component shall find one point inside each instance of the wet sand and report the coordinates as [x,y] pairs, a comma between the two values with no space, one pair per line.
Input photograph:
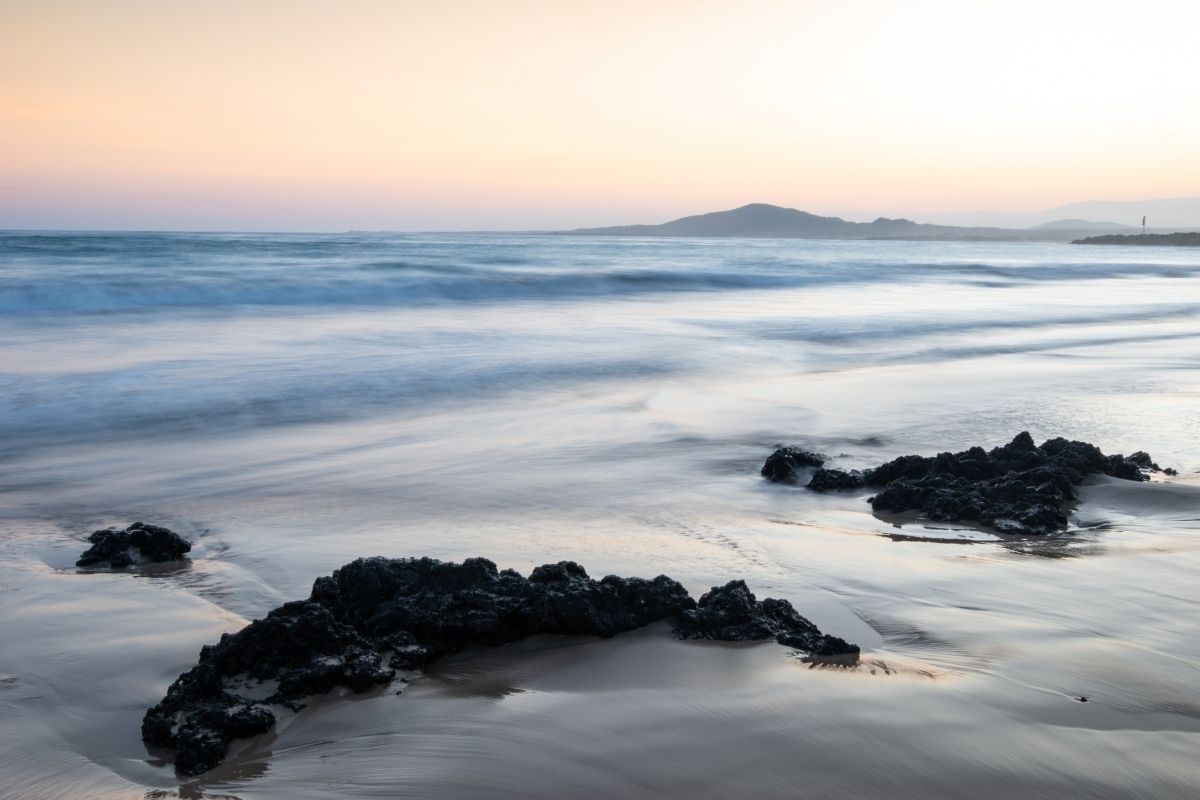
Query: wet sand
[959,679]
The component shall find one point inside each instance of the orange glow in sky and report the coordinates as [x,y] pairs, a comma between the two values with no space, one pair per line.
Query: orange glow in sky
[294,115]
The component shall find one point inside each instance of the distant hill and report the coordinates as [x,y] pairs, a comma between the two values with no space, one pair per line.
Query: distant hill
[1146,239]
[1163,214]
[1174,212]
[1080,225]
[762,220]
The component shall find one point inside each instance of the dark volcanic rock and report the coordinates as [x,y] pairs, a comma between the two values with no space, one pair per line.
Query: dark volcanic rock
[732,613]
[138,542]
[419,610]
[785,464]
[834,480]
[1017,488]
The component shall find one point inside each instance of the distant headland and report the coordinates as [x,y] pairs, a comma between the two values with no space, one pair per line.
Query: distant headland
[1145,239]
[763,220]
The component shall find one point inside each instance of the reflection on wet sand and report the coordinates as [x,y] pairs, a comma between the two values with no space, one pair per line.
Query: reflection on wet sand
[1049,546]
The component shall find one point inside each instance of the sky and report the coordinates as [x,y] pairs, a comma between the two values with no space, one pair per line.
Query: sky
[370,114]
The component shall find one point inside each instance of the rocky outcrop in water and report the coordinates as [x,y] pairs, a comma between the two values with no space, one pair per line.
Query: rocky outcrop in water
[1018,488]
[787,464]
[376,615]
[137,543]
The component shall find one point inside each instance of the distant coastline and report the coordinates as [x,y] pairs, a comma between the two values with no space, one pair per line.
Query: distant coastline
[1145,239]
[762,220]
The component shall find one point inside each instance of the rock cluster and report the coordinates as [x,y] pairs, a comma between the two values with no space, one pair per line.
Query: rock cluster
[137,543]
[376,615]
[1018,488]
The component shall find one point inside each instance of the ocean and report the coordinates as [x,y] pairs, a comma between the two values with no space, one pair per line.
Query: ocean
[291,402]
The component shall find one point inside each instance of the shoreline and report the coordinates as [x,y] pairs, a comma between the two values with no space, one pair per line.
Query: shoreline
[644,678]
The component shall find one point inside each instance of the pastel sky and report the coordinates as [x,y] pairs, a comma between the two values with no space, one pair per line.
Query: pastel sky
[366,114]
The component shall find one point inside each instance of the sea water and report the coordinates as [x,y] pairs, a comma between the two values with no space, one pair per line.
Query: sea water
[291,402]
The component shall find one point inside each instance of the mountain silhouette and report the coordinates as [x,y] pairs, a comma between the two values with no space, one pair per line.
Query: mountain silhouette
[763,220]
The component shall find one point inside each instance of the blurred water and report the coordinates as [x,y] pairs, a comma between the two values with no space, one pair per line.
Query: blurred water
[292,402]
[106,337]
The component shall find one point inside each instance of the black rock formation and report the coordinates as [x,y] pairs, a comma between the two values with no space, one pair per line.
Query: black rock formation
[139,542]
[732,613]
[786,463]
[412,611]
[834,480]
[1017,488]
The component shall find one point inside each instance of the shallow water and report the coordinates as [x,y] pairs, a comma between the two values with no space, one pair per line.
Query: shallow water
[292,402]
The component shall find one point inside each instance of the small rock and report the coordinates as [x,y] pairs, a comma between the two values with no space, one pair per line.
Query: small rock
[786,463]
[137,543]
[835,480]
